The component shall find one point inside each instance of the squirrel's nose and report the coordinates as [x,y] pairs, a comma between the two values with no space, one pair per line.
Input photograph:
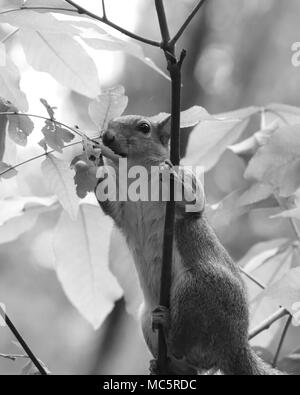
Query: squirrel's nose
[108,137]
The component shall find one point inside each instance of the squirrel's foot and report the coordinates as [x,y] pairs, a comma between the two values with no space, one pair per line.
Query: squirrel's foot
[161,317]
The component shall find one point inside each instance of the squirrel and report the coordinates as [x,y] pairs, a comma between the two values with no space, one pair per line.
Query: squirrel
[206,327]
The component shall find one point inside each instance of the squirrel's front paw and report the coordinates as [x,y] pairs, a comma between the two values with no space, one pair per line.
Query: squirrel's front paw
[161,317]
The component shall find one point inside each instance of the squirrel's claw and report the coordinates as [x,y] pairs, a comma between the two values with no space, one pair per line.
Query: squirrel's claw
[160,317]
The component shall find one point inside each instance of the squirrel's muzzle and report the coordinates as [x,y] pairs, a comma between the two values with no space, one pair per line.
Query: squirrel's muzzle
[108,138]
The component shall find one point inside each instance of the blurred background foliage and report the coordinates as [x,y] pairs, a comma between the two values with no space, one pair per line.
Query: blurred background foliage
[239,54]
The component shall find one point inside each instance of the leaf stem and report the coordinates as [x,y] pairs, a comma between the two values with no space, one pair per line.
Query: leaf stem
[266,324]
[187,22]
[253,279]
[36,157]
[282,339]
[9,35]
[44,118]
[22,342]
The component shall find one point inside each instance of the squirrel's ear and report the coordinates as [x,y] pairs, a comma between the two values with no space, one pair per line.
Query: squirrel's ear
[164,129]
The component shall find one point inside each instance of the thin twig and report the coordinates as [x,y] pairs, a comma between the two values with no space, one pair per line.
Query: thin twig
[253,279]
[13,357]
[35,158]
[9,35]
[187,22]
[22,342]
[162,19]
[83,11]
[104,10]
[282,312]
[282,339]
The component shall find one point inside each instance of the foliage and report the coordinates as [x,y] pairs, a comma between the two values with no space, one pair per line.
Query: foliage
[87,249]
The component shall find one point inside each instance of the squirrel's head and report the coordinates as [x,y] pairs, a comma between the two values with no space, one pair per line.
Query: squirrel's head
[140,139]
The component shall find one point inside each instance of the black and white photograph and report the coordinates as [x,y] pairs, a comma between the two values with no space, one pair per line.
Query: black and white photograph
[149,190]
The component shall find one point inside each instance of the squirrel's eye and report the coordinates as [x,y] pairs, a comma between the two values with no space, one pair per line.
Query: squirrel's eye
[144,127]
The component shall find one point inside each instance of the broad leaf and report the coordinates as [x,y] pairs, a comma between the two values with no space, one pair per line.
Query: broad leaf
[278,162]
[256,193]
[85,177]
[283,114]
[19,127]
[286,291]
[59,178]
[188,118]
[36,22]
[234,206]
[81,249]
[2,55]
[107,106]
[15,207]
[9,85]
[210,139]
[99,39]
[56,136]
[64,58]
[25,221]
[121,264]
[294,213]
[51,3]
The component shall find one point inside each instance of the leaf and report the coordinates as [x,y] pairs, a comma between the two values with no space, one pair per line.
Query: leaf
[28,20]
[51,3]
[294,213]
[188,118]
[107,106]
[121,264]
[193,116]
[277,162]
[9,85]
[256,193]
[14,207]
[210,139]
[99,39]
[85,178]
[19,127]
[56,136]
[2,55]
[286,291]
[81,249]
[16,226]
[283,114]
[49,109]
[259,253]
[59,178]
[232,207]
[62,57]
[4,167]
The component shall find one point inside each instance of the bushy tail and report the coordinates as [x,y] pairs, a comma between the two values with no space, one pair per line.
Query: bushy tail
[247,363]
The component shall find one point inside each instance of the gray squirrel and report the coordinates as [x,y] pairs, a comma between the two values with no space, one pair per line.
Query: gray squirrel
[207,325]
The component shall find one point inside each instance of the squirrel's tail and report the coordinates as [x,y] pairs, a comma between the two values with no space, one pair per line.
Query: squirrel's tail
[247,363]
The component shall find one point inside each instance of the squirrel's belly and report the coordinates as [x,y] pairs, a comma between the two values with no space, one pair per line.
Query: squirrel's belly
[144,230]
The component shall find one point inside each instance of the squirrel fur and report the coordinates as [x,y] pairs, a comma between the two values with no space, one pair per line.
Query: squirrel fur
[208,320]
